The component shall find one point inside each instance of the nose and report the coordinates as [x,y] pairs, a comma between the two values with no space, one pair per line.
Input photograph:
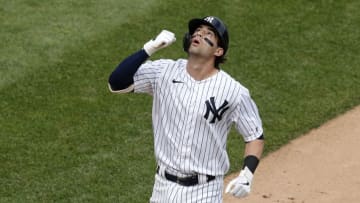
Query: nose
[198,33]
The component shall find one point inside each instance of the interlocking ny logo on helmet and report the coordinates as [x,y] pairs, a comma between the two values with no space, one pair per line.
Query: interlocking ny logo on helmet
[209,19]
[215,23]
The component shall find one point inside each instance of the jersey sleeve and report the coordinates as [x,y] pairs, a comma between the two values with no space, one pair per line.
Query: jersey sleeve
[247,119]
[146,76]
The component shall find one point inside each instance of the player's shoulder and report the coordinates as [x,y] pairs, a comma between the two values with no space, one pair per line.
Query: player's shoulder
[240,88]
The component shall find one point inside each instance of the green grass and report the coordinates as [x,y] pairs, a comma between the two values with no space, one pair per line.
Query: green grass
[65,138]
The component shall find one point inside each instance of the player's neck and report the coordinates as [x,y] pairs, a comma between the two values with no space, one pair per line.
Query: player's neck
[200,70]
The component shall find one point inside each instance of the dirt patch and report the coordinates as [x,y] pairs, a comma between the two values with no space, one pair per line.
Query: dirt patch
[322,166]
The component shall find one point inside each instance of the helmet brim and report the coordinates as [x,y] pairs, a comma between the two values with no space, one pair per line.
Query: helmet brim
[196,22]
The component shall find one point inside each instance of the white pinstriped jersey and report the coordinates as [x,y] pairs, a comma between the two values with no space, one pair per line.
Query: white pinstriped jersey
[192,119]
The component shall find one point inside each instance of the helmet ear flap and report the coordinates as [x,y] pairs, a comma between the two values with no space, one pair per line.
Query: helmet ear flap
[186,42]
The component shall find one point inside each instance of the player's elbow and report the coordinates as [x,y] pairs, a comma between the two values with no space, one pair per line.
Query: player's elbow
[118,84]
[121,90]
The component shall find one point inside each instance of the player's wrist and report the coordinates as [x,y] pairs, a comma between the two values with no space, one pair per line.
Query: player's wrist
[251,162]
[164,39]
[149,48]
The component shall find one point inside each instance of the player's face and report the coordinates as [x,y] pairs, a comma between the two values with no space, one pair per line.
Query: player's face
[205,41]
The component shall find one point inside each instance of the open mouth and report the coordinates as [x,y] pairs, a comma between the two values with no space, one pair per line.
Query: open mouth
[195,41]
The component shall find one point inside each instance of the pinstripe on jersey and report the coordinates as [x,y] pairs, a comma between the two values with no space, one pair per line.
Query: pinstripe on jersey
[191,119]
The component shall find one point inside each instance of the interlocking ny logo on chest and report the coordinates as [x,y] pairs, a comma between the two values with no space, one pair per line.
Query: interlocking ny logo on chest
[217,113]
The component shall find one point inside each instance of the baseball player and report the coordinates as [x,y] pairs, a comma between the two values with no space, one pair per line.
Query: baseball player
[195,103]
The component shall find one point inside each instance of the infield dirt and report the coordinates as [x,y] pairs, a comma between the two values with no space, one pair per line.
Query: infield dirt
[322,166]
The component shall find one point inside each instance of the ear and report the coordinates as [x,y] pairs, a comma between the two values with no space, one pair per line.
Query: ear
[219,52]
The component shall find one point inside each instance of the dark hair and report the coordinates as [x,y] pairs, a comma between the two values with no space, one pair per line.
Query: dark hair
[222,58]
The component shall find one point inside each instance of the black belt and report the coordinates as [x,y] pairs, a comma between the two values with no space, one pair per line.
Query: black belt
[185,181]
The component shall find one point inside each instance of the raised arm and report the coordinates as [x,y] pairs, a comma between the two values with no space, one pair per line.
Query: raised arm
[121,79]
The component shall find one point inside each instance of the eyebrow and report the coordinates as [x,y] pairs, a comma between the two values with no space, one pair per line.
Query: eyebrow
[212,30]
